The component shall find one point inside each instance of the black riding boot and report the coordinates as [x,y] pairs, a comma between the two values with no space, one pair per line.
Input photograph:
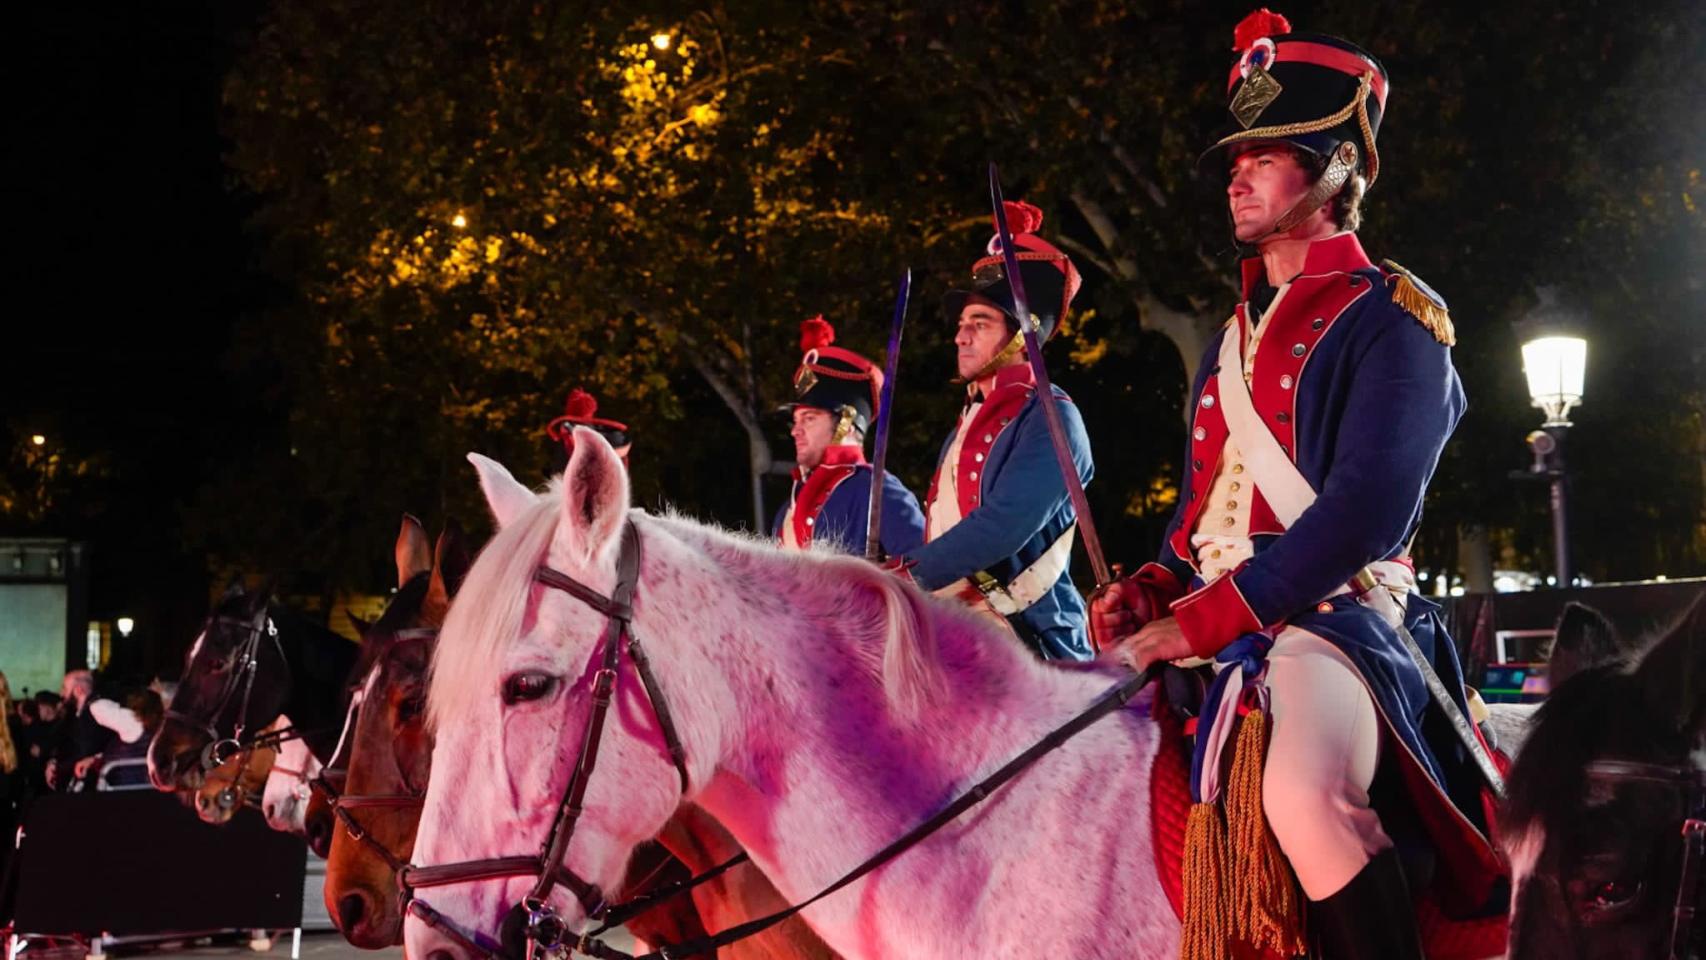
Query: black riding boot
[1371,918]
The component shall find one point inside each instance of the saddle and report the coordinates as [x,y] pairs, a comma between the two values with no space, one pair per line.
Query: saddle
[1445,936]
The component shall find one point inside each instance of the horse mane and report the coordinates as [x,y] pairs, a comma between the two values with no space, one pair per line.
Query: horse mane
[489,610]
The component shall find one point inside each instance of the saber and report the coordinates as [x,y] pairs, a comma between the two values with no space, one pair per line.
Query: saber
[1045,388]
[880,447]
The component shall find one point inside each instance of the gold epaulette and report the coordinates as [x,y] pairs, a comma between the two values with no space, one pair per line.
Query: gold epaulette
[1420,301]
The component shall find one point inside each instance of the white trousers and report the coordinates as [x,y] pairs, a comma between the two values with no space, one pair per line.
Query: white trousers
[1322,753]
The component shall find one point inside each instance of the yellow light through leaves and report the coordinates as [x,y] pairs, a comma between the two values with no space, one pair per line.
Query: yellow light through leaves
[37,439]
[459,221]
[660,40]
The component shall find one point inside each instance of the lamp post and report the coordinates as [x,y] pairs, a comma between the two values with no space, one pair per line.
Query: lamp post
[1556,368]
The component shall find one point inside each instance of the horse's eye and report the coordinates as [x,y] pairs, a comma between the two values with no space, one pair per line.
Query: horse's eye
[411,708]
[1613,894]
[532,685]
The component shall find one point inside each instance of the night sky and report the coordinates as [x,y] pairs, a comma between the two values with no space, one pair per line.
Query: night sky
[130,267]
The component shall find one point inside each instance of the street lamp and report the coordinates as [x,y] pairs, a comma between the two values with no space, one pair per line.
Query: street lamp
[125,626]
[1556,370]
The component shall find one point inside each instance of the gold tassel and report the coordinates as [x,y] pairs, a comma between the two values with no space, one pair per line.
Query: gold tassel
[1262,895]
[1205,935]
[1429,312]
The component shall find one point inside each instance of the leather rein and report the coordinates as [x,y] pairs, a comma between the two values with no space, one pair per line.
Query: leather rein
[545,931]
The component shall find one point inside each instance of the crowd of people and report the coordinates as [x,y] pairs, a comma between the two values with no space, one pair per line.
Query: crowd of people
[89,735]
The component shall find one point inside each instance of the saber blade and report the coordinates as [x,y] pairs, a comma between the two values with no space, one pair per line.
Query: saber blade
[1045,388]
[885,406]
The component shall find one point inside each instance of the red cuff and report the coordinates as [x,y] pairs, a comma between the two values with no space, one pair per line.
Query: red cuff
[1161,583]
[1215,616]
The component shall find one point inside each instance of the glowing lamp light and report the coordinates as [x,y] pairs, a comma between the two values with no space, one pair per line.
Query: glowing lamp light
[459,221]
[660,40]
[1556,368]
[37,439]
[125,626]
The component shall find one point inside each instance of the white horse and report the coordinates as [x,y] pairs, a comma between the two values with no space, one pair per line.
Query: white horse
[825,709]
[284,801]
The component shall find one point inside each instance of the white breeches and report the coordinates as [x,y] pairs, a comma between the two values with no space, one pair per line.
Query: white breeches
[1322,753]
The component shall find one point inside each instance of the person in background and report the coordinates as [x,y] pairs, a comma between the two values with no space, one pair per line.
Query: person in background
[82,740]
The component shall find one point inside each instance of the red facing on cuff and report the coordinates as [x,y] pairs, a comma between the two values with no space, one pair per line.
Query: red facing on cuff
[1161,582]
[1214,616]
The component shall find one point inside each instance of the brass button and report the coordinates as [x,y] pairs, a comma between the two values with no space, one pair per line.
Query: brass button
[811,521]
[1208,401]
[1286,382]
[1317,323]
[978,458]
[1238,468]
[988,438]
[1231,504]
[1283,417]
[1227,522]
[1298,350]
[1214,554]
[1323,607]
[1196,464]
[1200,433]
[973,475]
[1236,486]
[1006,420]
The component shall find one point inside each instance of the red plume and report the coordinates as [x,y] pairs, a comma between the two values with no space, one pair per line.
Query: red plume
[1021,217]
[1262,23]
[816,334]
[581,405]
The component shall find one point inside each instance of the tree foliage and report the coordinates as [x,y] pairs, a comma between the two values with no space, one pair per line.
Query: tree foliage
[481,205]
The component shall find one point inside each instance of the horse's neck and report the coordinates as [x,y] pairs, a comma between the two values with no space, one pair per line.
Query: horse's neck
[319,662]
[817,770]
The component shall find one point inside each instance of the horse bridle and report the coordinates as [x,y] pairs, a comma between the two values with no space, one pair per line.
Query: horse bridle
[342,803]
[240,673]
[545,930]
[1691,783]
[546,933]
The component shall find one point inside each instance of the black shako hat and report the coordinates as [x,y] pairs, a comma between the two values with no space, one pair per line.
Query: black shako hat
[1050,279]
[1311,90]
[835,379]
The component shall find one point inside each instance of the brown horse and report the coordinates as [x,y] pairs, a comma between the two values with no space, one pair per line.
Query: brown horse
[389,762]
[1615,764]
[235,783]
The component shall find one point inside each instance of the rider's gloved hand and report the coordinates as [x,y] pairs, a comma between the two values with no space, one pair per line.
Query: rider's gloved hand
[1122,607]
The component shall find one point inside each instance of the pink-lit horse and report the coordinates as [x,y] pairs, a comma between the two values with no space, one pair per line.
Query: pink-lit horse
[825,709]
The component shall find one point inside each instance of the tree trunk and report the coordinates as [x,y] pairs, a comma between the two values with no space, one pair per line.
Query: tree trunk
[1475,559]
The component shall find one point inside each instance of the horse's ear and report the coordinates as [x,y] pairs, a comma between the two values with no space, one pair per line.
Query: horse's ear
[1673,672]
[1583,638]
[414,556]
[505,495]
[595,497]
[449,565]
[260,598]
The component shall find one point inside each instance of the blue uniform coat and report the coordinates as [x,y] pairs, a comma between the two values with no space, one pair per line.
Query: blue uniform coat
[1014,506]
[1362,396]
[833,505]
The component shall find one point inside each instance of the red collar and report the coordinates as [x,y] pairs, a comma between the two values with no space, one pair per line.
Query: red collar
[837,455]
[1013,373]
[1339,253]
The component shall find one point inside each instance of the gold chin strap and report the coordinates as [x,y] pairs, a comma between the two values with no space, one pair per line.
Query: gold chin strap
[1013,348]
[1332,180]
[844,424]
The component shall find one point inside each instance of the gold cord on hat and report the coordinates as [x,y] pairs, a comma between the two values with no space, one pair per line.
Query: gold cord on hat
[1358,106]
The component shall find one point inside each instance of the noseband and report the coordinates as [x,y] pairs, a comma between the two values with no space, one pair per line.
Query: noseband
[1691,783]
[544,928]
